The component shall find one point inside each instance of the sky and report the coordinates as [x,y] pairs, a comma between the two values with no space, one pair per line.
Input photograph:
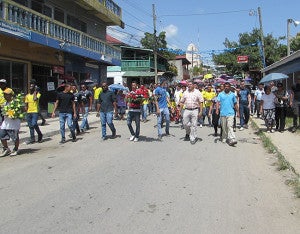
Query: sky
[205,23]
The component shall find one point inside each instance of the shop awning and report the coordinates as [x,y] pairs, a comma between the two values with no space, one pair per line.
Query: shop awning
[138,74]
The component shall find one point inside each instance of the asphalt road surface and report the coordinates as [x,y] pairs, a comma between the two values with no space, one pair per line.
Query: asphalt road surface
[150,186]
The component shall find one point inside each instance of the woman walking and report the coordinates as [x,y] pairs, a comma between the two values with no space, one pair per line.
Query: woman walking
[267,108]
[281,104]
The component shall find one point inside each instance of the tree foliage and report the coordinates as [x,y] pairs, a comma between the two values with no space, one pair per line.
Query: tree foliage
[295,43]
[248,45]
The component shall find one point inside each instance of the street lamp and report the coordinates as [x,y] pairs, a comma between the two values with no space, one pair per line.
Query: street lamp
[289,21]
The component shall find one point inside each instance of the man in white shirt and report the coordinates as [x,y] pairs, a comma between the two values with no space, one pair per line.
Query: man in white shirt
[192,99]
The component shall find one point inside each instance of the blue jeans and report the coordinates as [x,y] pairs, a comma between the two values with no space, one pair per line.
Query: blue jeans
[244,114]
[85,123]
[63,117]
[132,115]
[32,119]
[107,117]
[164,112]
[144,111]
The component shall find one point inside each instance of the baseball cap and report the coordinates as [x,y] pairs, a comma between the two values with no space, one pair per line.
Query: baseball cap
[2,81]
[8,91]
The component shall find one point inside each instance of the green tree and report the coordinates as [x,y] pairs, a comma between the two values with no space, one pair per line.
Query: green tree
[248,45]
[295,43]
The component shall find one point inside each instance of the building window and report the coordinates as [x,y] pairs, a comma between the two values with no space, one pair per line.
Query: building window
[37,6]
[22,2]
[15,74]
[59,15]
[47,11]
[76,23]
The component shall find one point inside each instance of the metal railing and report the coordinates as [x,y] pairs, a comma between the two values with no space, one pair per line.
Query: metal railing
[140,65]
[135,65]
[24,17]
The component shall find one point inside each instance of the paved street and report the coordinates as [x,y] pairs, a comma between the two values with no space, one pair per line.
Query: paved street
[118,186]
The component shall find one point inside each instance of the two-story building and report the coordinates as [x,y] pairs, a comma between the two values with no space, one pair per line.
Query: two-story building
[53,40]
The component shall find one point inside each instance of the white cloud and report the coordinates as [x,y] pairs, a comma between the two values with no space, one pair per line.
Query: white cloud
[171,30]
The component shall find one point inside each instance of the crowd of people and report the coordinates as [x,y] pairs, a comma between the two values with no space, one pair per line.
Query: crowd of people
[187,103]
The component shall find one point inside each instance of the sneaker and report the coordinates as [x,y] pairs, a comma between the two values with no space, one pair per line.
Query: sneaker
[14,153]
[187,137]
[159,137]
[201,126]
[241,128]
[232,142]
[234,129]
[294,129]
[136,139]
[5,152]
[272,130]
[223,140]
[40,138]
[62,141]
[132,138]
[193,142]
[104,138]
[43,122]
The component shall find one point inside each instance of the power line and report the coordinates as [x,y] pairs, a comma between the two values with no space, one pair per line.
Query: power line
[209,13]
[136,6]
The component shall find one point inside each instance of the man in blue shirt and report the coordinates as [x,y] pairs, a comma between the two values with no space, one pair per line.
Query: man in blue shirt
[162,99]
[226,103]
[244,98]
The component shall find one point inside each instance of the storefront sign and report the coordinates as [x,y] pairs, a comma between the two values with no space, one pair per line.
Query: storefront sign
[58,70]
[15,30]
[242,59]
[50,86]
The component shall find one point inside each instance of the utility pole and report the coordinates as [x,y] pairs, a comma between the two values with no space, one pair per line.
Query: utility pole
[262,38]
[155,44]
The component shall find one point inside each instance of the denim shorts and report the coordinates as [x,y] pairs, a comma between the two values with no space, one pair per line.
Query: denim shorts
[6,134]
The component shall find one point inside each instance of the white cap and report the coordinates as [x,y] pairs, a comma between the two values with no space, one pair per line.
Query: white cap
[2,81]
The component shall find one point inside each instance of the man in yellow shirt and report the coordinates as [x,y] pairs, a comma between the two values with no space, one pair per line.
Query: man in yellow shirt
[32,109]
[97,91]
[3,86]
[208,96]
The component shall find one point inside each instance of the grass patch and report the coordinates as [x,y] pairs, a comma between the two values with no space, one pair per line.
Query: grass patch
[295,183]
[282,163]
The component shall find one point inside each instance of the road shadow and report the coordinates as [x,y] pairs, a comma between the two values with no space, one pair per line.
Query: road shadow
[27,151]
[148,139]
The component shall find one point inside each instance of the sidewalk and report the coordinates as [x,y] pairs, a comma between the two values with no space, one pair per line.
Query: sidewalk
[286,142]
[51,127]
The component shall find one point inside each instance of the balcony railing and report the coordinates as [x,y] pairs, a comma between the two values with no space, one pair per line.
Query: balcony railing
[135,65]
[140,65]
[24,17]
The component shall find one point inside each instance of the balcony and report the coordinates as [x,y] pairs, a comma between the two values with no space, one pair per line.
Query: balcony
[106,10]
[26,21]
[140,65]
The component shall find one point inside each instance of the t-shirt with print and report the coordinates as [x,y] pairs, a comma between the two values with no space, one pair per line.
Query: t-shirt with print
[65,102]
[85,97]
[33,105]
